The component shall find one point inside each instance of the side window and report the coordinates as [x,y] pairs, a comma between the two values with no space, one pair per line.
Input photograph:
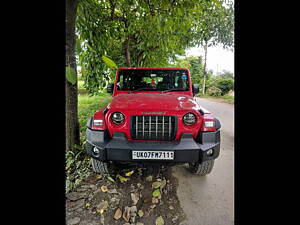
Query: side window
[120,83]
[181,81]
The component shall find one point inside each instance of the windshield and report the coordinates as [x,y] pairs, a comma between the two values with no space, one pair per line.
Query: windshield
[153,80]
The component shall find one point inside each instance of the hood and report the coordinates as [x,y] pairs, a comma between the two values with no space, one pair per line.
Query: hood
[153,102]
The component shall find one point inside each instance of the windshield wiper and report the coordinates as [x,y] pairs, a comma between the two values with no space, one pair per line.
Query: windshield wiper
[173,89]
[140,89]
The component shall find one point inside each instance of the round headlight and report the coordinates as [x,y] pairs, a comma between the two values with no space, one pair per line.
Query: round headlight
[189,119]
[117,118]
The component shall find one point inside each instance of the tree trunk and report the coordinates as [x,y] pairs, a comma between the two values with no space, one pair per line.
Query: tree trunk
[127,52]
[204,72]
[140,58]
[72,124]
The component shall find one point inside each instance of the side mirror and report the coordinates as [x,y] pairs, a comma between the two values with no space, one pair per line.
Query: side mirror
[110,88]
[195,89]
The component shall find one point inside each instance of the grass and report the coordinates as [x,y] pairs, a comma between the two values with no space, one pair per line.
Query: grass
[80,85]
[87,106]
[226,98]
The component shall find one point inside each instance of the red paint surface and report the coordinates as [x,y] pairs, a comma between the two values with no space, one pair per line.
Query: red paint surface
[170,103]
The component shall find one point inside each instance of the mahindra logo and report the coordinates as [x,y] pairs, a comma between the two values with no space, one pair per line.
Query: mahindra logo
[153,112]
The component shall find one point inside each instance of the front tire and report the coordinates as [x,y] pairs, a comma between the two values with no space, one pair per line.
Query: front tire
[201,169]
[101,167]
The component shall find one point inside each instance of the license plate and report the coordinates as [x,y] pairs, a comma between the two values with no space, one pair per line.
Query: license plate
[165,155]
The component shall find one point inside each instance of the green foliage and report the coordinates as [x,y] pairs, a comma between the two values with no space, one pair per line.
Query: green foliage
[71,75]
[214,91]
[194,64]
[228,98]
[215,25]
[226,75]
[110,63]
[225,85]
[137,33]
[87,106]
[80,85]
[77,168]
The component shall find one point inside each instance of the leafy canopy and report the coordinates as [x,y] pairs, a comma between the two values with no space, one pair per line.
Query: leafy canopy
[139,33]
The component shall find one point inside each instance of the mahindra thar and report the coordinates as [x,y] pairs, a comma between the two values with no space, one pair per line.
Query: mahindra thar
[153,118]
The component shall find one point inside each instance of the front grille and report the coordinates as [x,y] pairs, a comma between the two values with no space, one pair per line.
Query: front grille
[151,127]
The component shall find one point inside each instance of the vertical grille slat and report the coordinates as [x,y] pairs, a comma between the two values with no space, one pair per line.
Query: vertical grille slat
[150,127]
[136,126]
[143,127]
[170,127]
[163,127]
[156,127]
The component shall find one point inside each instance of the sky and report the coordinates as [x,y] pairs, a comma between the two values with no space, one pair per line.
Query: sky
[218,59]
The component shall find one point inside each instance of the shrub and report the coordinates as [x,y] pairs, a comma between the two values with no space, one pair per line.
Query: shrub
[214,91]
[225,85]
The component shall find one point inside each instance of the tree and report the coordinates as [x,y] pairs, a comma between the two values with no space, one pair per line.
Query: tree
[72,124]
[225,85]
[132,33]
[226,74]
[215,25]
[194,64]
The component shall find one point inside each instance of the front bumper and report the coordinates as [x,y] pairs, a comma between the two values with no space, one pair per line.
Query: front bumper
[118,148]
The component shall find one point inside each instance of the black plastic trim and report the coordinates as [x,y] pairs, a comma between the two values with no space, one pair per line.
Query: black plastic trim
[120,149]
[217,124]
[89,123]
[201,111]
[209,137]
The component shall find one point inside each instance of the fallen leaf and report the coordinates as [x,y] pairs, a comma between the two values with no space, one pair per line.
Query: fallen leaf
[102,207]
[126,214]
[149,178]
[155,200]
[118,214]
[156,184]
[163,184]
[110,179]
[135,198]
[87,204]
[156,193]
[104,188]
[159,221]
[140,213]
[129,173]
[99,176]
[100,211]
[152,206]
[122,179]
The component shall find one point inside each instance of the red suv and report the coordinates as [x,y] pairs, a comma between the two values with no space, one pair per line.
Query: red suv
[153,119]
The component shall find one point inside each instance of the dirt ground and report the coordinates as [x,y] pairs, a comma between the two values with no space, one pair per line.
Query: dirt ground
[84,204]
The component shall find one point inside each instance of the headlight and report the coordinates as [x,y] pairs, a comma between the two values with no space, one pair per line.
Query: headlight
[189,119]
[117,118]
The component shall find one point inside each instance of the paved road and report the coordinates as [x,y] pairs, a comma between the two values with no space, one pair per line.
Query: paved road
[209,200]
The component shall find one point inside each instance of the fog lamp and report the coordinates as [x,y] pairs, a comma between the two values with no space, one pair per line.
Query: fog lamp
[96,150]
[210,152]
